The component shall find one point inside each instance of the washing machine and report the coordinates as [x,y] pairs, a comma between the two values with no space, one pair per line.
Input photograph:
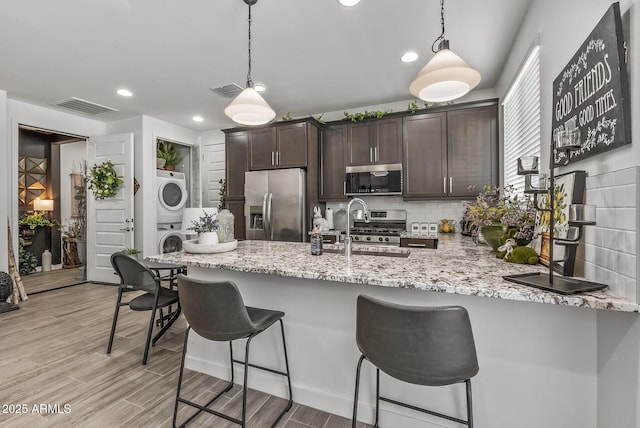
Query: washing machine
[169,238]
[172,196]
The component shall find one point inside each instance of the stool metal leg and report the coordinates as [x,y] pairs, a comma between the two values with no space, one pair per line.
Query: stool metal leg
[354,420]
[184,353]
[377,397]
[469,404]
[115,321]
[244,386]
[286,363]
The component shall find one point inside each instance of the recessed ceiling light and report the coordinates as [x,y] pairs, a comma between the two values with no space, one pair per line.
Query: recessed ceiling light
[259,87]
[125,92]
[197,118]
[409,57]
[349,2]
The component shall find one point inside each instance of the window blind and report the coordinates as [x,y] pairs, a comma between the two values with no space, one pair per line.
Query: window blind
[521,119]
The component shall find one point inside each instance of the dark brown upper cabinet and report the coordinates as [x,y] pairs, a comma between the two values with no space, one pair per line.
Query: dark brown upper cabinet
[236,150]
[451,154]
[425,156]
[280,146]
[332,164]
[472,141]
[374,142]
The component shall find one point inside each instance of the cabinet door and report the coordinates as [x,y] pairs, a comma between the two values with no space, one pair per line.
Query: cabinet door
[472,149]
[388,141]
[425,156]
[237,209]
[292,145]
[236,153]
[332,164]
[359,140]
[262,148]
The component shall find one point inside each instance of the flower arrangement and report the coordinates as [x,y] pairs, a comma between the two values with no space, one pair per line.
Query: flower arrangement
[206,223]
[520,215]
[488,209]
[104,181]
[75,229]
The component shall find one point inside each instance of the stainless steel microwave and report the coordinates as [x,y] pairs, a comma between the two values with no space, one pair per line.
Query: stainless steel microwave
[374,180]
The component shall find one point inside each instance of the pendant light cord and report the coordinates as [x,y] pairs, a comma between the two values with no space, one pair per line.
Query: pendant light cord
[441,37]
[249,82]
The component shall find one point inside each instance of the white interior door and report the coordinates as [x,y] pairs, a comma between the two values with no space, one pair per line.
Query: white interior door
[213,171]
[109,221]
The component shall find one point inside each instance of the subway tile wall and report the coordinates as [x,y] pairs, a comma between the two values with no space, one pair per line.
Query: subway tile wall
[417,211]
[610,247]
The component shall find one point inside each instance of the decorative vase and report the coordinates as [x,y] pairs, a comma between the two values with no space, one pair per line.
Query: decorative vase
[208,238]
[492,234]
[225,226]
[160,163]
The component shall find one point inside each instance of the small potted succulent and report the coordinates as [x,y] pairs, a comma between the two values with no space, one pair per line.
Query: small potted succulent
[206,227]
[132,252]
[169,153]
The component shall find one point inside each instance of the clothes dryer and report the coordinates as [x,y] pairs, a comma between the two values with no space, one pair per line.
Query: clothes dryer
[172,194]
[169,238]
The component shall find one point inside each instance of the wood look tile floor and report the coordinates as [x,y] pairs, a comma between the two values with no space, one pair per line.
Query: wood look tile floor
[52,351]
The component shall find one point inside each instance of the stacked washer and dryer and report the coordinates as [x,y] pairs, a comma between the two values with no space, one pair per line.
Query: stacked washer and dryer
[172,197]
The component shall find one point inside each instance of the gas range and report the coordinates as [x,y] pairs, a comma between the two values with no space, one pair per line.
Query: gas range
[384,228]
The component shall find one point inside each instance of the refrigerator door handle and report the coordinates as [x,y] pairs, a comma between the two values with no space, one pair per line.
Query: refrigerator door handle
[269,210]
[265,219]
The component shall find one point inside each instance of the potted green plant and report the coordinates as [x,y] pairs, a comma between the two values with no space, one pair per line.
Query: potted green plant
[132,252]
[486,214]
[206,227]
[169,152]
[34,220]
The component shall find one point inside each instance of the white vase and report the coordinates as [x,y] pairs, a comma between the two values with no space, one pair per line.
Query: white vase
[208,238]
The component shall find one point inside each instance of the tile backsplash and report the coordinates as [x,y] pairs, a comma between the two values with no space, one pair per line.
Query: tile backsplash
[610,247]
[417,211]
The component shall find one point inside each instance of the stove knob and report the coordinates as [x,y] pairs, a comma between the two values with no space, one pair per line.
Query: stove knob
[386,239]
[356,238]
[368,238]
[380,239]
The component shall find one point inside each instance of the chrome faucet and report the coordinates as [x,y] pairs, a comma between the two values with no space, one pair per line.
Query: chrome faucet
[347,238]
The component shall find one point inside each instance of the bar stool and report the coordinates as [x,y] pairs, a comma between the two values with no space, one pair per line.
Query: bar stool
[216,311]
[430,346]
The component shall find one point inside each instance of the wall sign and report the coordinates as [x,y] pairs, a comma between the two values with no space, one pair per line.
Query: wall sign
[591,94]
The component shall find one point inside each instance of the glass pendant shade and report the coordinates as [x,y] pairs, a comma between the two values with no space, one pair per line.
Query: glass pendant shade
[249,108]
[445,77]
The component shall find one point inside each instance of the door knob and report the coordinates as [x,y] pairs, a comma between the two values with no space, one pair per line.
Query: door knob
[126,229]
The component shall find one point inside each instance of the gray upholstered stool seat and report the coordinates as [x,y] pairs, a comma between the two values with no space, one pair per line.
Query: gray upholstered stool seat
[216,312]
[431,346]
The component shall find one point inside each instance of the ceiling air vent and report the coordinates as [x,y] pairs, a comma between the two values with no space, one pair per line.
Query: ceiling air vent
[83,106]
[228,91]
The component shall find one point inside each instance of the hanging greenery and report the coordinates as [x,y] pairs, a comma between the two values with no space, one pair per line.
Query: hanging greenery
[104,181]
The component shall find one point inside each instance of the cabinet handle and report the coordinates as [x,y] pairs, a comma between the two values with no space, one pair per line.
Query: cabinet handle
[417,245]
[450,184]
[278,157]
[375,152]
[444,184]
[344,188]
[370,154]
[272,158]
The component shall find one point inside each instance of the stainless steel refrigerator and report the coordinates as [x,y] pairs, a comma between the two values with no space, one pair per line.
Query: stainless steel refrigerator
[274,206]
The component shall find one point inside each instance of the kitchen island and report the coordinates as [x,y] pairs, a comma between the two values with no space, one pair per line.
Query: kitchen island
[545,359]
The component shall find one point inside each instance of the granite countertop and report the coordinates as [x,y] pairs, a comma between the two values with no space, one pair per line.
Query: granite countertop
[457,266]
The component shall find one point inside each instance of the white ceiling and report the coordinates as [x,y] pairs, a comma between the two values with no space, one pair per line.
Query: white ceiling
[314,56]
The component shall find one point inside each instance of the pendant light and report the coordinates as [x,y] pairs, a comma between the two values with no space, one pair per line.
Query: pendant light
[446,76]
[249,108]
